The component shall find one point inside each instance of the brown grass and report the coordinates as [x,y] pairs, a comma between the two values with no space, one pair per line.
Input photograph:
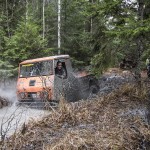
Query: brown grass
[98,124]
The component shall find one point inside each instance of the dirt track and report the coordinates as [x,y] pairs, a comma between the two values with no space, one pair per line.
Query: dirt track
[12,118]
[115,121]
[15,116]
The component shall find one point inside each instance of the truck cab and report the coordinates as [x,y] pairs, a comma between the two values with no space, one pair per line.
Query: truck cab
[38,81]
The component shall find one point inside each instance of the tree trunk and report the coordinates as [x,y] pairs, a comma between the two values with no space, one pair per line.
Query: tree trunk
[59,24]
[140,46]
[8,28]
[43,19]
[26,10]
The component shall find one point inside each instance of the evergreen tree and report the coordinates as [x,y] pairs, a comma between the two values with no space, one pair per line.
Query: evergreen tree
[125,33]
[92,31]
[26,43]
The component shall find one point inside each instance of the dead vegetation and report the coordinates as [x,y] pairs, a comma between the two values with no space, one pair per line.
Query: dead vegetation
[108,122]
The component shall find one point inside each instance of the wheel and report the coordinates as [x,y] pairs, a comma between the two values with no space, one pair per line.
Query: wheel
[148,74]
[94,89]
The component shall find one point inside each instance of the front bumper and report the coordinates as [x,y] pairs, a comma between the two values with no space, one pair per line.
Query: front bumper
[33,96]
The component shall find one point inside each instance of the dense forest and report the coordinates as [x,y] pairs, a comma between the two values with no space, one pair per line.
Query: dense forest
[93,32]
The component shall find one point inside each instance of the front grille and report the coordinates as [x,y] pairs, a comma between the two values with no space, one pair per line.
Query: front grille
[32,83]
[31,95]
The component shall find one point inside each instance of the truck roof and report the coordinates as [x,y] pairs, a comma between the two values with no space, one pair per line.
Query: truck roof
[44,59]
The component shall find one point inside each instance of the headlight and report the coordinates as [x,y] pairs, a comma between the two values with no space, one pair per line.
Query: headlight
[22,95]
[38,95]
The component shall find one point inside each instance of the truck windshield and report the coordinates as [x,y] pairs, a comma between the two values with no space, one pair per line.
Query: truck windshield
[43,68]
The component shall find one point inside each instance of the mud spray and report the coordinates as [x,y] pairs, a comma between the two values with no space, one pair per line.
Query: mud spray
[13,117]
[8,91]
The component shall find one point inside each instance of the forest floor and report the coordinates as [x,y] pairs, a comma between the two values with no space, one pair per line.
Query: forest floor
[117,118]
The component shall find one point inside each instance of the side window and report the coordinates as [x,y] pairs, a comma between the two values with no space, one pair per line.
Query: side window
[60,69]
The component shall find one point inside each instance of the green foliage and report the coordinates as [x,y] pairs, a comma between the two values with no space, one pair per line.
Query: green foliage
[51,25]
[76,37]
[2,34]
[26,43]
[124,29]
[99,64]
[100,33]
[6,70]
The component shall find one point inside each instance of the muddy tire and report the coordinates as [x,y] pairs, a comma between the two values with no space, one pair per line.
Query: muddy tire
[94,89]
[148,74]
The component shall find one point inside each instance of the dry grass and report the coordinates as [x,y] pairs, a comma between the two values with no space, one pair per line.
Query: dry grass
[98,124]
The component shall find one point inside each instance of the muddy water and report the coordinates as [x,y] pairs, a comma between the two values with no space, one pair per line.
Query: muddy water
[13,117]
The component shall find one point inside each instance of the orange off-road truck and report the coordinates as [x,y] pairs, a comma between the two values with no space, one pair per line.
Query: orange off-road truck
[37,81]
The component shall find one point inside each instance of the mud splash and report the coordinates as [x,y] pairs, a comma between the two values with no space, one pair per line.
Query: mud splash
[8,92]
[13,117]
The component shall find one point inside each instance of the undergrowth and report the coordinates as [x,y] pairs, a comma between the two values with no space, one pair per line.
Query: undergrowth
[100,123]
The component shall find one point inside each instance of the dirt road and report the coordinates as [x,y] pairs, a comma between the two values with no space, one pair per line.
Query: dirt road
[11,118]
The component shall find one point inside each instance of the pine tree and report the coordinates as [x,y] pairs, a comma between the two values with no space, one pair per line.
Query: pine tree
[26,43]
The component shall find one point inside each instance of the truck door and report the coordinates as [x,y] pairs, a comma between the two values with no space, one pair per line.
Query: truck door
[67,85]
[60,77]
